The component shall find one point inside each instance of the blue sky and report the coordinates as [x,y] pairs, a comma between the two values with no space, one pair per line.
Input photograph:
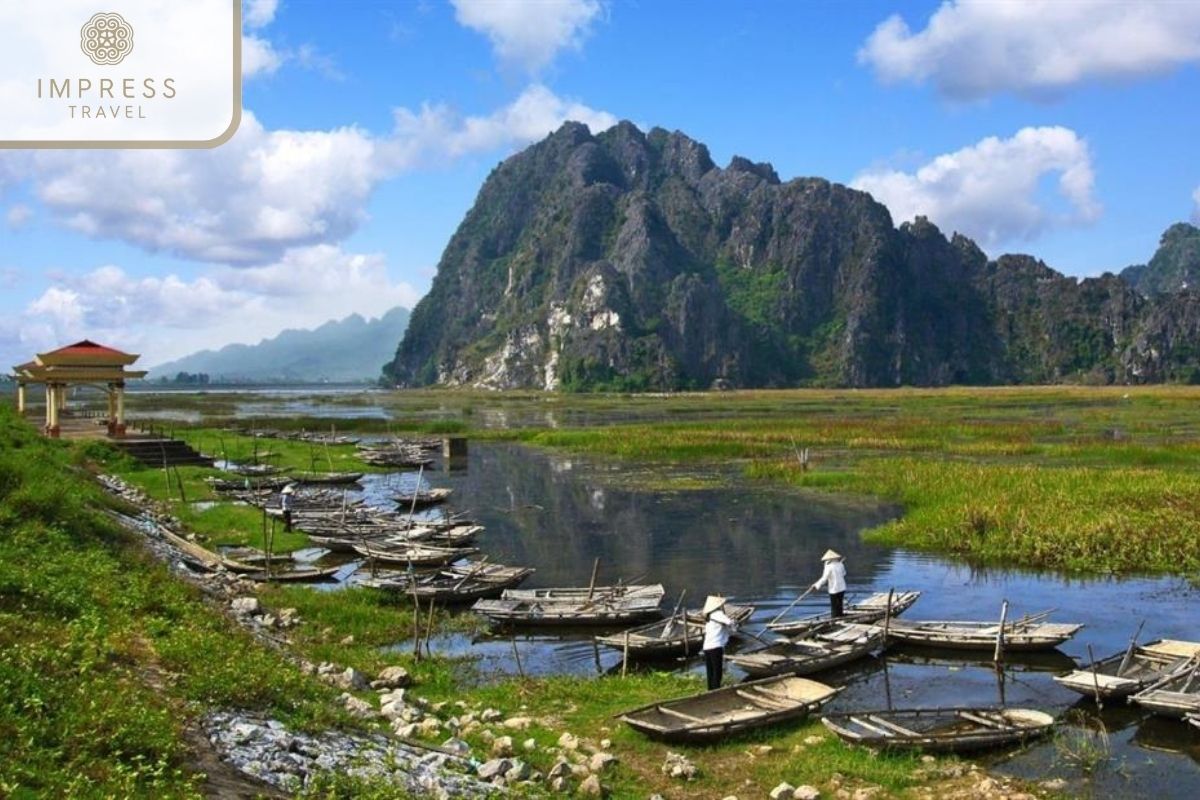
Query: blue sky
[1066,130]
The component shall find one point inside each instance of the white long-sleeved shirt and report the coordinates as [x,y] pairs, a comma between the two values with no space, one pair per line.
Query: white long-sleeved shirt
[717,629]
[834,575]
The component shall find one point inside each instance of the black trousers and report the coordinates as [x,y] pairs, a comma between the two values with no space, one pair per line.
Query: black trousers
[835,604]
[714,664]
[287,520]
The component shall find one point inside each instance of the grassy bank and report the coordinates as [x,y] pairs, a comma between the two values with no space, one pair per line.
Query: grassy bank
[104,656]
[1071,479]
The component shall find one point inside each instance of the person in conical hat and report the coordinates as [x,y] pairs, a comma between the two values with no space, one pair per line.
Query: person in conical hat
[717,629]
[287,502]
[834,577]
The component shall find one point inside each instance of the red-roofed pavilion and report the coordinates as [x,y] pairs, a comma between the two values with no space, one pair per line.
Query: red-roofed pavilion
[83,363]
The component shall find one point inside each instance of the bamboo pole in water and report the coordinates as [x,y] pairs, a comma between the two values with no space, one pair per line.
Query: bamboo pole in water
[592,582]
[1000,633]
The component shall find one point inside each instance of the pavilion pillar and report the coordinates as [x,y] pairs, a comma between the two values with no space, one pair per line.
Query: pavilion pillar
[110,420]
[119,427]
[52,428]
[20,397]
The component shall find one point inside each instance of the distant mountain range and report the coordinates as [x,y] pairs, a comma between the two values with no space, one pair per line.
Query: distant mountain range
[628,260]
[349,350]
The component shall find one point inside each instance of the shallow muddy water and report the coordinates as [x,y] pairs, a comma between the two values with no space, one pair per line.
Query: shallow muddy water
[762,546]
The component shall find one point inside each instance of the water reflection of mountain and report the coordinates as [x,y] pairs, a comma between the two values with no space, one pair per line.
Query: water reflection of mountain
[552,513]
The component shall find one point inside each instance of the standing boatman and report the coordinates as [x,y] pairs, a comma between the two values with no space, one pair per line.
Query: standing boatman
[835,576]
[286,504]
[718,627]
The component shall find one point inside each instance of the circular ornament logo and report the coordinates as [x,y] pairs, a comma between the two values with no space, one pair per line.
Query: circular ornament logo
[106,38]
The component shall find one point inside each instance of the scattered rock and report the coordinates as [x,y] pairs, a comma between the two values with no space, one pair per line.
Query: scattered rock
[601,761]
[495,767]
[806,792]
[244,606]
[502,746]
[568,741]
[392,678]
[866,793]
[518,723]
[559,784]
[490,715]
[814,739]
[518,772]
[591,787]
[606,744]
[678,765]
[530,745]
[1054,785]
[347,641]
[762,749]
[456,745]
[560,769]
[784,789]
[351,680]
[356,707]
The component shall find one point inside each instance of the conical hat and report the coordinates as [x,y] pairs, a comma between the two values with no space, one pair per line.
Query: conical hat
[289,489]
[713,603]
[830,555]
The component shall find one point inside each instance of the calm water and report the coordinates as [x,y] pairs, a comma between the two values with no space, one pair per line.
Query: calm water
[557,513]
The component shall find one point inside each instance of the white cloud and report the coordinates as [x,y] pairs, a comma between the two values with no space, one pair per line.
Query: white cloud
[265,192]
[244,202]
[990,190]
[17,215]
[974,48]
[259,56]
[527,34]
[305,288]
[257,13]
[436,131]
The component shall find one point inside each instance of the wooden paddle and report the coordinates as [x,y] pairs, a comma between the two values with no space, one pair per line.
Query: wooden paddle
[806,593]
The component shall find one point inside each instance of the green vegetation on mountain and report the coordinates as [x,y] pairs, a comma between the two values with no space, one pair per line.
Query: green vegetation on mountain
[630,261]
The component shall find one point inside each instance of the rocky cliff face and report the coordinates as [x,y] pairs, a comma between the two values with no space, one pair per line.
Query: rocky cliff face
[629,260]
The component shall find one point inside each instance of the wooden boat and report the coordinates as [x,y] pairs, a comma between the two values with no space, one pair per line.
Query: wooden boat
[940,730]
[413,553]
[680,636]
[1175,695]
[270,483]
[456,536]
[456,584]
[327,478]
[960,635]
[423,498]
[1194,721]
[1129,672]
[603,605]
[870,609]
[830,648]
[731,710]
[297,575]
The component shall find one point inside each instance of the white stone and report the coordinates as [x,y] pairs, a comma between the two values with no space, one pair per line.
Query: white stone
[568,741]
[591,787]
[518,723]
[806,792]
[392,678]
[784,789]
[601,761]
[243,606]
[502,746]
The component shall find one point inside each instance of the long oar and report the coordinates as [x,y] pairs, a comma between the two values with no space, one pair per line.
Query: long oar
[1129,652]
[806,593]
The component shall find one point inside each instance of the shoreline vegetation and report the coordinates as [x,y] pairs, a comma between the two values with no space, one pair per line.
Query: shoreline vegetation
[1078,479]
